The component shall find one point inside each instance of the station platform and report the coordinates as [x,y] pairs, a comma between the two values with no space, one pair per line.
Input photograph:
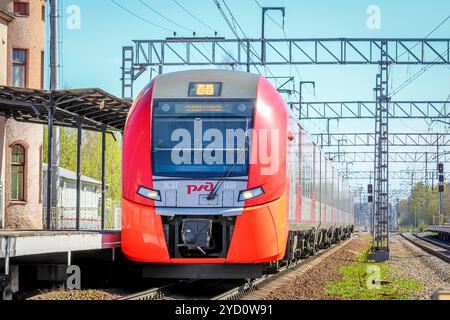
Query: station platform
[51,252]
[15,243]
[439,228]
[443,231]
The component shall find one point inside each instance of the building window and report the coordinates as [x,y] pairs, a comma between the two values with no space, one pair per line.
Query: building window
[18,173]
[21,8]
[19,67]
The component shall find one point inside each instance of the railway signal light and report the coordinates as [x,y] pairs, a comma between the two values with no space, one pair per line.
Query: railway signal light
[370,199]
[441,176]
[369,188]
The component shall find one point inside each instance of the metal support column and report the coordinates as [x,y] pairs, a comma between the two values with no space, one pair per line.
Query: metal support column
[300,95]
[380,245]
[263,29]
[51,112]
[127,72]
[78,205]
[103,176]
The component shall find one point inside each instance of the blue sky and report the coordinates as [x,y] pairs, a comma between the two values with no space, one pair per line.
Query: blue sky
[92,54]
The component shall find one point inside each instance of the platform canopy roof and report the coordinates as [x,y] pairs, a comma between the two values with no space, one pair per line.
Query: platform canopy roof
[94,107]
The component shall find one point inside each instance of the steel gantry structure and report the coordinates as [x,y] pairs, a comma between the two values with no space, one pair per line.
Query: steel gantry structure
[144,54]
[394,156]
[330,110]
[393,175]
[394,139]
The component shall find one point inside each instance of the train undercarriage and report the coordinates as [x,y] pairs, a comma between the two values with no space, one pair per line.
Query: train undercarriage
[210,237]
[305,243]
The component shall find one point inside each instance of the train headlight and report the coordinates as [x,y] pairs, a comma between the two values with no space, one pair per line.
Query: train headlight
[149,193]
[242,107]
[165,107]
[250,194]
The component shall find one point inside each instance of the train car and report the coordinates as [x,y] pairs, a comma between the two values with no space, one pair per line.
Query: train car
[221,181]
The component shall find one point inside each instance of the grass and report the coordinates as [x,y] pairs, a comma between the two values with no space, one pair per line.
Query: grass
[420,228]
[357,278]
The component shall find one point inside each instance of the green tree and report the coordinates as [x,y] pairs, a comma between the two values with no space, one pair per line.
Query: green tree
[422,206]
[91,157]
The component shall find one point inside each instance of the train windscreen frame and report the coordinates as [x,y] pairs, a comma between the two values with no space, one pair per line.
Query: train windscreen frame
[177,125]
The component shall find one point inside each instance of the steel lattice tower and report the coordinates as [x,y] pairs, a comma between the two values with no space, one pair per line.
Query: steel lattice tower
[381,200]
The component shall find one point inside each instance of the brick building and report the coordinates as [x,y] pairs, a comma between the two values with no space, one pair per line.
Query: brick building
[22,44]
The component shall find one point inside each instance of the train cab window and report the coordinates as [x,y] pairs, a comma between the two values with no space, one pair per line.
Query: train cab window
[201,138]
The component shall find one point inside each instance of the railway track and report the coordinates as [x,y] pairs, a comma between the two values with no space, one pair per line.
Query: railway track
[222,289]
[434,242]
[247,288]
[186,290]
[150,294]
[435,248]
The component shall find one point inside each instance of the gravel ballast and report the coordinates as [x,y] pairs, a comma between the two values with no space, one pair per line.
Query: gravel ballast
[409,261]
[310,285]
[63,294]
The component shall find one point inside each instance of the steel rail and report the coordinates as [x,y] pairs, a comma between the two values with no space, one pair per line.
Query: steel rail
[249,287]
[433,242]
[151,294]
[428,249]
[237,292]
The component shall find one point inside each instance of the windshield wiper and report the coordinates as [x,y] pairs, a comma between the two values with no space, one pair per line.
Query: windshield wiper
[213,194]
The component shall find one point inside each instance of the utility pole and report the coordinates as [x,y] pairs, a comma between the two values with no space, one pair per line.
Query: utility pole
[411,196]
[339,148]
[300,94]
[263,28]
[54,159]
[346,169]
[360,190]
[427,208]
[440,171]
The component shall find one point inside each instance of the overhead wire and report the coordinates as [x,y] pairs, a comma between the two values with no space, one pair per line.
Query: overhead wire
[415,76]
[175,23]
[232,28]
[429,34]
[423,70]
[194,16]
[270,17]
[140,17]
[164,17]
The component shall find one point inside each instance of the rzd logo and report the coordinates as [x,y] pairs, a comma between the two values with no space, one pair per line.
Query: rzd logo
[209,186]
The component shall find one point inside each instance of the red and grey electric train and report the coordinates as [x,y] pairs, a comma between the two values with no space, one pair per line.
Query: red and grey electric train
[221,181]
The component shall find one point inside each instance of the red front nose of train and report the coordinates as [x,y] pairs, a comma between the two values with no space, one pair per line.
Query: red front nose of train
[156,222]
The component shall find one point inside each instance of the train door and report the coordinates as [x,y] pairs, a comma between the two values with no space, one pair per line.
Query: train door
[299,194]
[307,179]
[293,168]
[315,177]
[323,188]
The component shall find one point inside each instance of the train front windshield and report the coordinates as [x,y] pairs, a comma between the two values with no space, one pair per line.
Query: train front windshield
[201,138]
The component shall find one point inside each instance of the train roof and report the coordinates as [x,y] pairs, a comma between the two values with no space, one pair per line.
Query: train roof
[235,84]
